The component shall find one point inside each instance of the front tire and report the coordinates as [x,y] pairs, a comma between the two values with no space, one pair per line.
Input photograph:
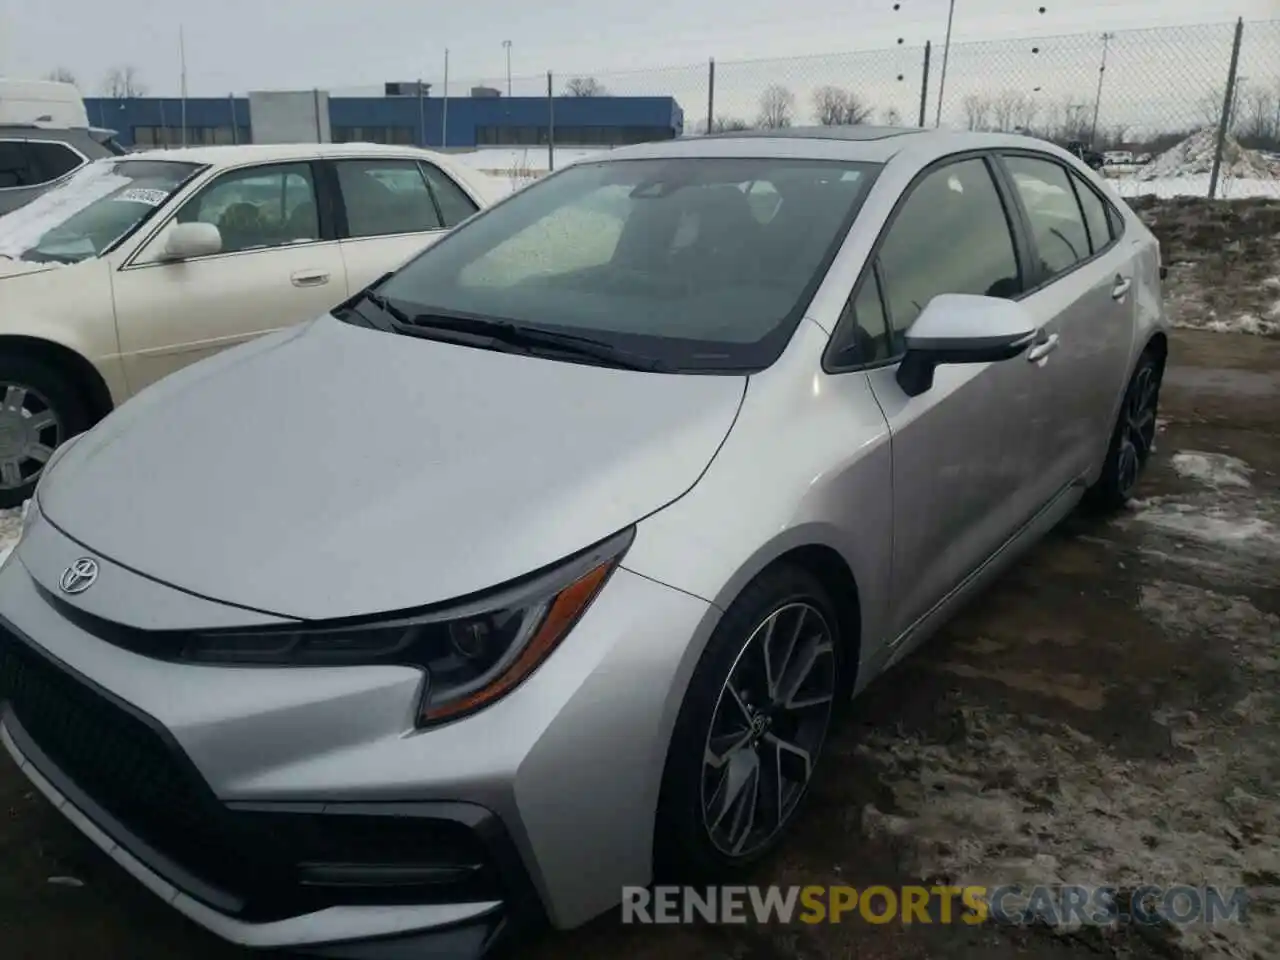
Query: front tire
[40,408]
[750,732]
[1132,439]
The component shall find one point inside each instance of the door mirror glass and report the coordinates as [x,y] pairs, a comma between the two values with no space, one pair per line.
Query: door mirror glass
[963,328]
[188,240]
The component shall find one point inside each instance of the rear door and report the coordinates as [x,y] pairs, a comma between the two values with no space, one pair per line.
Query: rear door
[965,454]
[1082,284]
[391,208]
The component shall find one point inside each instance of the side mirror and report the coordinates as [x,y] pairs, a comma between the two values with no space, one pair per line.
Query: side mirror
[962,328]
[187,240]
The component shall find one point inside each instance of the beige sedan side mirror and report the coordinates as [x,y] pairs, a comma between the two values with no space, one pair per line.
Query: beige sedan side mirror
[187,240]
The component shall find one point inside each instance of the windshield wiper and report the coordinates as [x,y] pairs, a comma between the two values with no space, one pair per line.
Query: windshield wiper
[369,295]
[533,338]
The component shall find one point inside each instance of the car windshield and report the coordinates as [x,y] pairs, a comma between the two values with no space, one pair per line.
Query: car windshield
[701,264]
[89,211]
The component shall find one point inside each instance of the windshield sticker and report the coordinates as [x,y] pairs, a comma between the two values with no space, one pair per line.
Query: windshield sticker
[152,198]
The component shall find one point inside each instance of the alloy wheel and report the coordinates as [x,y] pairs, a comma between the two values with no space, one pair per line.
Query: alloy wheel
[30,430]
[767,729]
[1137,429]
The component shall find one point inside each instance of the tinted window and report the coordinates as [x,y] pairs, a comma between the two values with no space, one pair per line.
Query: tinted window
[384,197]
[950,236]
[1095,214]
[51,160]
[864,328]
[455,206]
[1057,224]
[258,207]
[15,165]
[662,257]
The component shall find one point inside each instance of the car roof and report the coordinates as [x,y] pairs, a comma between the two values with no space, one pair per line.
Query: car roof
[256,152]
[863,143]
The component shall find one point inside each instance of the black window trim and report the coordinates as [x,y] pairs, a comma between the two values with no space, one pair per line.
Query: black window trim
[840,336]
[1042,282]
[475,205]
[323,214]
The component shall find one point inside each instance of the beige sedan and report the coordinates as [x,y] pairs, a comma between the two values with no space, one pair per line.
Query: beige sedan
[136,266]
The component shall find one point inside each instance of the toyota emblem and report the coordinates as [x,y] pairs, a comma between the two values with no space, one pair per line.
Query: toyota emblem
[80,576]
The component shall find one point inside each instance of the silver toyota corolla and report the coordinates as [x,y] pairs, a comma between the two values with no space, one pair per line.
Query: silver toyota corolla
[565,540]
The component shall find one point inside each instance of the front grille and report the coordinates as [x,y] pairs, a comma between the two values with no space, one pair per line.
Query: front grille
[122,765]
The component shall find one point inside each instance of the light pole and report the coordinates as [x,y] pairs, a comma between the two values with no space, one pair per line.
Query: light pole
[946,52]
[507,45]
[1097,102]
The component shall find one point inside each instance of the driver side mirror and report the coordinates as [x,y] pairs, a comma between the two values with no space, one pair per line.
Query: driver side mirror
[187,240]
[963,328]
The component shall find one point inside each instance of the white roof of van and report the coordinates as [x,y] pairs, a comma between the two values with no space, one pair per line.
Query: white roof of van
[45,103]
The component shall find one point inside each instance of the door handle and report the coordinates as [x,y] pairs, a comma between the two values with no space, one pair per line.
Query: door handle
[309,278]
[1042,349]
[1121,288]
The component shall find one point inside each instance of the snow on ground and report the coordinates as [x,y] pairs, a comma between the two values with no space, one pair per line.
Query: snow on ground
[1195,185]
[1214,469]
[10,527]
[1195,155]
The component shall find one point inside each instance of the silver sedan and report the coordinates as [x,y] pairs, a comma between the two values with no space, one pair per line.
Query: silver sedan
[565,541]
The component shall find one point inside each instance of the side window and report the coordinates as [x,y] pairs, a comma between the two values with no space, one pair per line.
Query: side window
[385,197]
[258,207]
[51,160]
[864,327]
[1095,214]
[950,236]
[15,165]
[455,206]
[1057,224]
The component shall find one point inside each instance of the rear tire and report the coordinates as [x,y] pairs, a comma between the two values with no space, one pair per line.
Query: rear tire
[1132,439]
[749,735]
[40,408]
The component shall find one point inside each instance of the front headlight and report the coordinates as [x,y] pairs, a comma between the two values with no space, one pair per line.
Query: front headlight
[472,653]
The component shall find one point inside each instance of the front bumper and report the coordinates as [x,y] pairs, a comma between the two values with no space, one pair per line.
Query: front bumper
[214,786]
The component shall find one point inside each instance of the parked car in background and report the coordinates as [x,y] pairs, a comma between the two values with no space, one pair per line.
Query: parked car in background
[1117,158]
[44,137]
[135,266]
[1095,160]
[540,567]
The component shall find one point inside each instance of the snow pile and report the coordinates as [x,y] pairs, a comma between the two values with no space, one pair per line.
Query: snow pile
[1194,156]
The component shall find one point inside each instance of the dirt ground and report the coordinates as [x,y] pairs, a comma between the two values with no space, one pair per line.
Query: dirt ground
[1108,713]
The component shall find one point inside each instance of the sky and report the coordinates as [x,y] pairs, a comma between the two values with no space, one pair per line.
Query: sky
[241,45]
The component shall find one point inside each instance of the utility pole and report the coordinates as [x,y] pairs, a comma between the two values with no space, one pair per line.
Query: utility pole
[182,64]
[946,52]
[422,116]
[507,45]
[444,106]
[1097,102]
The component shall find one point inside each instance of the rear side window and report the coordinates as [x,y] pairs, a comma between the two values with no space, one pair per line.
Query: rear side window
[385,197]
[455,206]
[1057,225]
[951,235]
[1095,215]
[51,159]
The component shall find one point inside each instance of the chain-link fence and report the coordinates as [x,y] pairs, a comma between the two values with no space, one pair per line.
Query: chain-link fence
[1151,103]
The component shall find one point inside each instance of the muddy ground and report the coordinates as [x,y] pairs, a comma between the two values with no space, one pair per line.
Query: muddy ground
[1108,713]
[1223,260]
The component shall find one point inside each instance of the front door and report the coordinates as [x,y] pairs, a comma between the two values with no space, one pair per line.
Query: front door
[278,266]
[965,454]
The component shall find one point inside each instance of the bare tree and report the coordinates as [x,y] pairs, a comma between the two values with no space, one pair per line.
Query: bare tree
[1257,113]
[892,118]
[1012,110]
[61,75]
[121,83]
[777,107]
[729,124]
[1024,113]
[1076,124]
[835,107]
[1209,106]
[585,87]
[977,109]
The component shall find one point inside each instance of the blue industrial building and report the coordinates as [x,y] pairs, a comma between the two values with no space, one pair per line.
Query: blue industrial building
[482,120]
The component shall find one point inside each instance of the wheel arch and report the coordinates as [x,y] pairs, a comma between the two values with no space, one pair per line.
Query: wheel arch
[88,381]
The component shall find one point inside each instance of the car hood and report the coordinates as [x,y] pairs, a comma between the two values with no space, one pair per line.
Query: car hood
[331,470]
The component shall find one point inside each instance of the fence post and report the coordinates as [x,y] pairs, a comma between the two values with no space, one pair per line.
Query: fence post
[1224,122]
[711,95]
[235,121]
[551,125]
[924,80]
